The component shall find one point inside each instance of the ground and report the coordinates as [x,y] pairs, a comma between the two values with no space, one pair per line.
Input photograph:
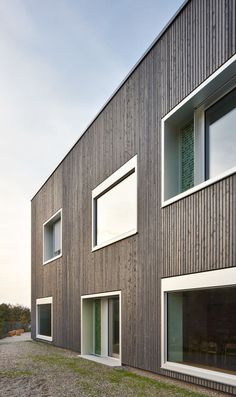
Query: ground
[29,368]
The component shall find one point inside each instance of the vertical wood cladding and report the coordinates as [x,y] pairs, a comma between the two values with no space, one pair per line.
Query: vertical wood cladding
[194,234]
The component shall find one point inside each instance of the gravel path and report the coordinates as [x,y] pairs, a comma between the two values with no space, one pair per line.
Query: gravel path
[29,368]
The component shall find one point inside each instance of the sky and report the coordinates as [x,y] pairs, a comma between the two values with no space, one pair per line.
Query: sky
[60,61]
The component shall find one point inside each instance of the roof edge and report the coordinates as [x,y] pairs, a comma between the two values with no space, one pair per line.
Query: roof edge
[118,88]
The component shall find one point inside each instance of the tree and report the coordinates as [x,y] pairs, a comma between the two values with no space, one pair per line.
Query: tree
[10,315]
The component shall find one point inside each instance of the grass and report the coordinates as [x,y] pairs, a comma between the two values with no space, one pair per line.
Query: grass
[90,374]
[61,371]
[63,362]
[143,384]
[15,373]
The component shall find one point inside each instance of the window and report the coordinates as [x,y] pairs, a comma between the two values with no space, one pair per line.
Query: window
[116,210]
[52,238]
[199,325]
[187,156]
[220,136]
[198,138]
[101,326]
[115,206]
[44,318]
[114,327]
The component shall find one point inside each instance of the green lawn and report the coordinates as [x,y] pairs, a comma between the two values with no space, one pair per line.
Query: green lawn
[96,379]
[34,367]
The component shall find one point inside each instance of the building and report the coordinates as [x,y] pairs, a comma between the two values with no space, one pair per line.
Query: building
[133,234]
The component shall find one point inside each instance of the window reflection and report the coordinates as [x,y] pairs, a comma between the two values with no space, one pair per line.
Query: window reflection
[113,327]
[116,210]
[202,328]
[44,319]
[221,135]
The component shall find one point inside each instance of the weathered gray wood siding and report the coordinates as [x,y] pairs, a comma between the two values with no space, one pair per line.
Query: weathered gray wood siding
[192,235]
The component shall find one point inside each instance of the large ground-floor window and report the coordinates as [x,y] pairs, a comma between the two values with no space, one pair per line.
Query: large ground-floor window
[199,325]
[44,318]
[100,323]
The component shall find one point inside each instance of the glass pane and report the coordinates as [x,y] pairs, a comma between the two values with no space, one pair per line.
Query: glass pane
[202,328]
[221,121]
[187,156]
[44,319]
[52,238]
[114,327]
[97,326]
[116,210]
[57,237]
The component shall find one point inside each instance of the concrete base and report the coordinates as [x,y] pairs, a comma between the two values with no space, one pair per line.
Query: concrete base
[110,361]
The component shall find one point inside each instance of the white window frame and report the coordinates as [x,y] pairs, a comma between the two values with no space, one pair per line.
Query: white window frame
[104,343]
[209,279]
[204,96]
[114,179]
[44,225]
[39,302]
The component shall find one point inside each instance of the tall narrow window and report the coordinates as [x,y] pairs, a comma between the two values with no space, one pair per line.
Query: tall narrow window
[97,326]
[52,238]
[187,156]
[114,327]
[44,318]
[221,136]
[57,237]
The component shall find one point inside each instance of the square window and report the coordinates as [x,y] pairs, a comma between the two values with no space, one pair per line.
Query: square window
[44,318]
[52,238]
[115,206]
[198,138]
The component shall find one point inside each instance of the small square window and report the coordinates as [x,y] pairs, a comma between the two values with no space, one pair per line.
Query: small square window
[115,206]
[52,238]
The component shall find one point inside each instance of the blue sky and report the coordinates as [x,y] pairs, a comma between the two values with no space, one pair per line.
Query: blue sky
[60,61]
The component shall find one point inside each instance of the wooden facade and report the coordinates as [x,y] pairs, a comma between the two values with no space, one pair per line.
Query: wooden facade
[194,234]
